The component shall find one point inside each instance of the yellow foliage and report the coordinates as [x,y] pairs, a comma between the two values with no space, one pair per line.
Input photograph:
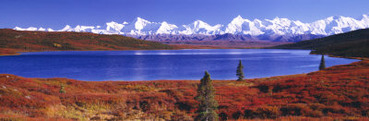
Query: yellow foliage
[57,45]
[80,113]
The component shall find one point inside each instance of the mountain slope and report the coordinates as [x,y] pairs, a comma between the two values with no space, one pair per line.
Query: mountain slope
[12,41]
[350,44]
[277,29]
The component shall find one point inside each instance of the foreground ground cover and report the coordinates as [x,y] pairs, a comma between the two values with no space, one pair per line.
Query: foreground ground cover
[339,92]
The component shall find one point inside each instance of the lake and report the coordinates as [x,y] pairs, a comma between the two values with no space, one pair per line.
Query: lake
[163,64]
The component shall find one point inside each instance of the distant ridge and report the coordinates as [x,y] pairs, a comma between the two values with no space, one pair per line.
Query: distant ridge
[277,29]
[350,44]
[12,41]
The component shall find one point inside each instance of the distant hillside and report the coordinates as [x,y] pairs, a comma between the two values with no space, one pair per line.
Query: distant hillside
[12,41]
[350,44]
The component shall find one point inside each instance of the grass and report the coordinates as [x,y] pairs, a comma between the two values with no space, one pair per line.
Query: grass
[339,92]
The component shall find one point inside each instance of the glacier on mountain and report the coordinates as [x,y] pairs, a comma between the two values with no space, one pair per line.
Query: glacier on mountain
[238,29]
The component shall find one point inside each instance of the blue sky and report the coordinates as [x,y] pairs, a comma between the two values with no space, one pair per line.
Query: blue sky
[57,13]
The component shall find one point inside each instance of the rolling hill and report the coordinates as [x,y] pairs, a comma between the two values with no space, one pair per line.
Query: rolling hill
[350,44]
[12,41]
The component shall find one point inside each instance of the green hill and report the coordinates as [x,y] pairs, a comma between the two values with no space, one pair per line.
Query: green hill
[12,41]
[350,44]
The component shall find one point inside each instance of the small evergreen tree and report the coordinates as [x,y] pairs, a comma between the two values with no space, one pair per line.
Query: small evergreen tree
[239,72]
[322,63]
[62,89]
[206,97]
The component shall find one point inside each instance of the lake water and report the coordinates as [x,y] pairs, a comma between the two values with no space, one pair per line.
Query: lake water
[163,64]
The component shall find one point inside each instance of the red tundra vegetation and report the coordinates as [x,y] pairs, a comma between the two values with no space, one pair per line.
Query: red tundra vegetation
[12,41]
[340,92]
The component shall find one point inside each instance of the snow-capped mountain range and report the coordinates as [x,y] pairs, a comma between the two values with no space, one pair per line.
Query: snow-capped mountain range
[277,29]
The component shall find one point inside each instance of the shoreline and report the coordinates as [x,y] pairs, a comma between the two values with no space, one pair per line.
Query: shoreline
[180,80]
[19,53]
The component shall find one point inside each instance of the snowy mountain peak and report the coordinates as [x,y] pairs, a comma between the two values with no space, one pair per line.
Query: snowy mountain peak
[238,20]
[331,18]
[166,28]
[67,28]
[280,21]
[200,24]
[114,26]
[50,30]
[25,29]
[41,29]
[141,23]
[240,25]
[139,19]
[364,17]
[256,29]
[239,17]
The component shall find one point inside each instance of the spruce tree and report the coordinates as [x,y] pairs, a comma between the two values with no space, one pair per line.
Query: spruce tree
[239,72]
[322,63]
[206,98]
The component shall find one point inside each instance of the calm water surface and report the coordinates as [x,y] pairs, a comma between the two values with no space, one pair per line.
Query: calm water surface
[163,64]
